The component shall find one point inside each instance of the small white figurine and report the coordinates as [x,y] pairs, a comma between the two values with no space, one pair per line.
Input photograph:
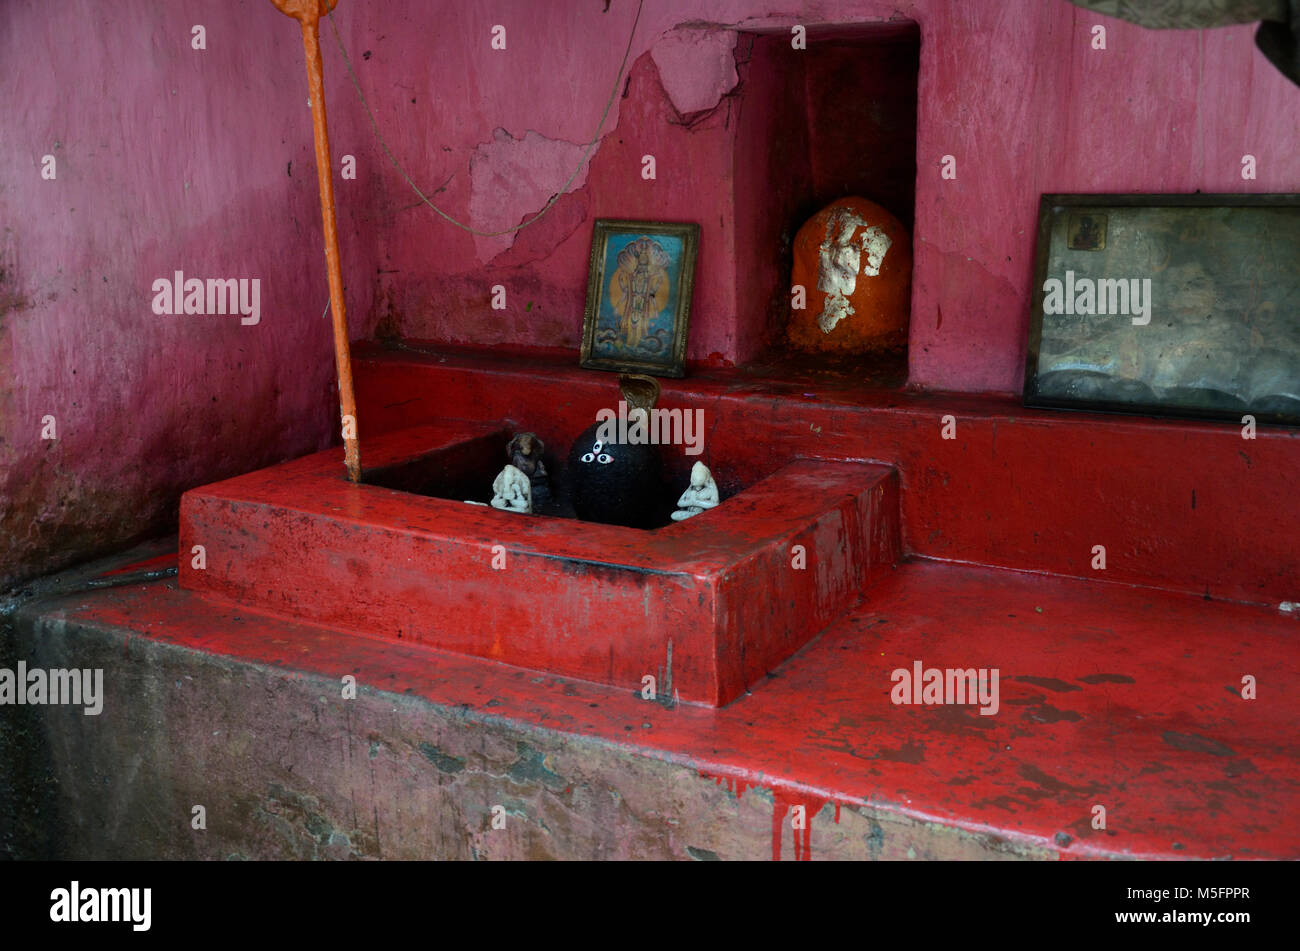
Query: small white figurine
[700,495]
[513,491]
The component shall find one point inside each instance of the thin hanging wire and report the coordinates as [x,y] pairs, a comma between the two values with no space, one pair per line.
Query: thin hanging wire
[554,198]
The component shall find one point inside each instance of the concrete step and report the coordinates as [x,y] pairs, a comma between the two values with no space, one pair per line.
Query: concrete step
[1125,698]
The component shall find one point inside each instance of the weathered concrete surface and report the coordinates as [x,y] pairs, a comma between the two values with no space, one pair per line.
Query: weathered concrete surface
[167,158]
[29,825]
[28,788]
[286,769]
[210,704]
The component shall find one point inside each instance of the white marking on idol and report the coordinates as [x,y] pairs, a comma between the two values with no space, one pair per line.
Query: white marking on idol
[876,243]
[836,309]
[596,455]
[839,260]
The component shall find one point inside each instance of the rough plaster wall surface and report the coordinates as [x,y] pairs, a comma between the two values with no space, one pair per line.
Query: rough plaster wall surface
[166,158]
[1013,90]
[697,67]
[513,178]
[529,170]
[1153,112]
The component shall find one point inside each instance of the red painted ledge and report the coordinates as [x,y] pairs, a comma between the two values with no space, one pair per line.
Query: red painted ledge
[1177,504]
[1121,697]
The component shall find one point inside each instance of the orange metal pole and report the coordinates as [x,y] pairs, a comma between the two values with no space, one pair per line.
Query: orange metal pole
[308,14]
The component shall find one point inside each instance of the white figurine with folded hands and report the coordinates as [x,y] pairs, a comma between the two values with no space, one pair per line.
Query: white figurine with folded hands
[701,494]
[512,491]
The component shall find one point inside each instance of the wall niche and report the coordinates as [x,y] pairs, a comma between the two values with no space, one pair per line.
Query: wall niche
[833,120]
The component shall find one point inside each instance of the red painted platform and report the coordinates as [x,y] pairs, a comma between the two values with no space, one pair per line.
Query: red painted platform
[706,606]
[1122,697]
[1120,688]
[1177,504]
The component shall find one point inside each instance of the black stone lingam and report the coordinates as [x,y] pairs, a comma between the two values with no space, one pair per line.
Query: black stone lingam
[611,481]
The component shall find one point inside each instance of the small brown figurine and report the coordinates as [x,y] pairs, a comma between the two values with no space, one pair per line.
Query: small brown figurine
[525,454]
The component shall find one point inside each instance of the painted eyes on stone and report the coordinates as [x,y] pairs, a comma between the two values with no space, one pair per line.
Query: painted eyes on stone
[596,455]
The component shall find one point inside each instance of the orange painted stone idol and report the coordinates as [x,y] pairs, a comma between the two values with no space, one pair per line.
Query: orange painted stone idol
[854,261]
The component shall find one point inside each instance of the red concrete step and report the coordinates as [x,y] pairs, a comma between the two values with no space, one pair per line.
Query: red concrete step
[1131,699]
[705,606]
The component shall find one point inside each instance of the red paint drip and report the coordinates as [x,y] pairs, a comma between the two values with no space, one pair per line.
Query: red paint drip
[778,820]
[782,803]
[735,786]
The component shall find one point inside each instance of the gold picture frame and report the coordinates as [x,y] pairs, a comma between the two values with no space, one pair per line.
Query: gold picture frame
[639,286]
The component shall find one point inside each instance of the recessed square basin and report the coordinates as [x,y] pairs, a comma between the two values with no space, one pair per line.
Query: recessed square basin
[705,606]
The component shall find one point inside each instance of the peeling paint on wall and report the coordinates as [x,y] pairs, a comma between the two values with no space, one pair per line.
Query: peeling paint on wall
[513,179]
[697,67]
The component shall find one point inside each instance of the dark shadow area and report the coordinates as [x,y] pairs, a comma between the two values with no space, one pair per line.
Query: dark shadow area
[836,119]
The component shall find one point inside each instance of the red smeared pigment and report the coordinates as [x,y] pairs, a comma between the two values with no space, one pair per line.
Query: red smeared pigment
[735,786]
[148,564]
[978,498]
[358,558]
[783,803]
[825,727]
[779,810]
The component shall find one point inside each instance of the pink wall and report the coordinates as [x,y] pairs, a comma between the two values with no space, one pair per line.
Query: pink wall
[1011,88]
[167,158]
[171,158]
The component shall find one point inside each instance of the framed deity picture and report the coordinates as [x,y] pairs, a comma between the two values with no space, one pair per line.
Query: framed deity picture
[639,296]
[1168,305]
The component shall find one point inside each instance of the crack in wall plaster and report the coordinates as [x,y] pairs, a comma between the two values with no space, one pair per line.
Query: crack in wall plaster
[512,179]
